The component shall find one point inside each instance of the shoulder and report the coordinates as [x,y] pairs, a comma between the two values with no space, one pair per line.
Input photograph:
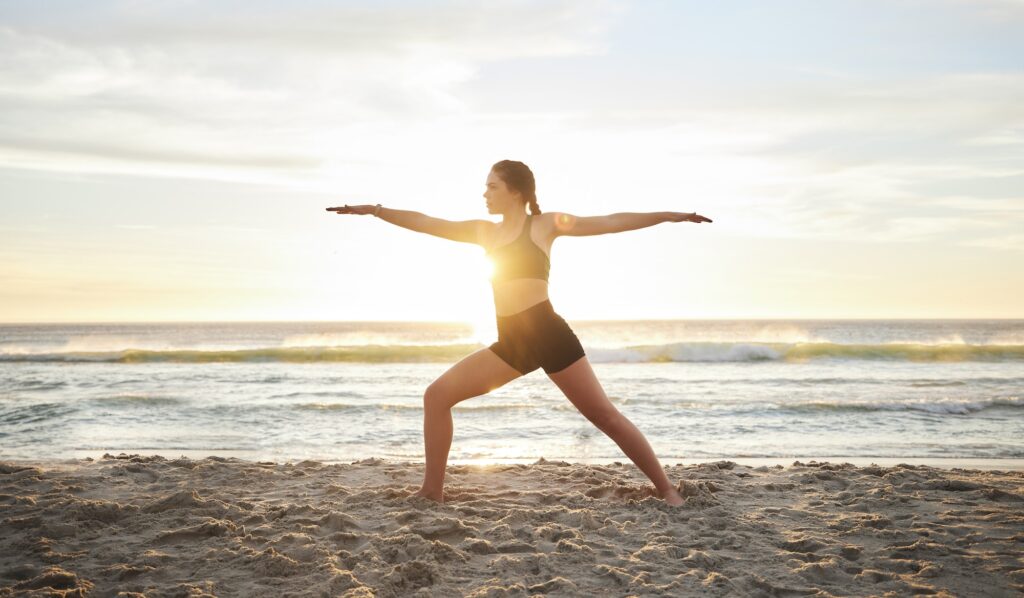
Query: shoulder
[545,220]
[555,223]
[485,232]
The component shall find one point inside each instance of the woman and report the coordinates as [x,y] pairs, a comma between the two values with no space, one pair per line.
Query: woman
[530,334]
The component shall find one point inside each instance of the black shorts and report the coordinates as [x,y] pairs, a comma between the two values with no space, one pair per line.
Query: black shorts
[537,337]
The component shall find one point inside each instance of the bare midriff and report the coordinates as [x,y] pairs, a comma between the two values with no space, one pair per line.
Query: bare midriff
[513,296]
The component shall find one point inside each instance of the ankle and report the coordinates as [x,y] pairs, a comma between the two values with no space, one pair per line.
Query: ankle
[667,491]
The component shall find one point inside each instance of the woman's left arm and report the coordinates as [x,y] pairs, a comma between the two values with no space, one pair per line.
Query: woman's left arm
[582,226]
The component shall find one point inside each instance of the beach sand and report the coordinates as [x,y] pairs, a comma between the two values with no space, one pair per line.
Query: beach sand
[132,525]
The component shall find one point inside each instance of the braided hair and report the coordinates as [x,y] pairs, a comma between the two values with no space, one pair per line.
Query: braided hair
[519,177]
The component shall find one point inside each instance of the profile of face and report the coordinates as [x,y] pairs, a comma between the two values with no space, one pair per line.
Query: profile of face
[501,199]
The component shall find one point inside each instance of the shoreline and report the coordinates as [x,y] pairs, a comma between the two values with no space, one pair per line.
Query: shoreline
[971,463]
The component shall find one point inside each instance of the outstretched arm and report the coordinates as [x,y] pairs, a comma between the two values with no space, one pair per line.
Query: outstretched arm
[467,231]
[582,226]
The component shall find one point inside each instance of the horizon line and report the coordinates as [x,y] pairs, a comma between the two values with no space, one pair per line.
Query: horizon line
[696,319]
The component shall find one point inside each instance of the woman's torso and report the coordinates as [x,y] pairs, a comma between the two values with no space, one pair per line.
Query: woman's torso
[515,295]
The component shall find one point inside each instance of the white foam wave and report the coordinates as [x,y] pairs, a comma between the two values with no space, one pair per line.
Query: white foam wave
[1007,338]
[949,339]
[601,355]
[950,406]
[104,343]
[779,333]
[685,352]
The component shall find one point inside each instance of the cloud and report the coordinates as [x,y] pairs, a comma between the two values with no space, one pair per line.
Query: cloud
[321,95]
[879,161]
[138,87]
[1013,242]
[498,30]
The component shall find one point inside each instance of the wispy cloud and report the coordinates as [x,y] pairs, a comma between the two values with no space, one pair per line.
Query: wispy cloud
[133,86]
[318,94]
[1006,242]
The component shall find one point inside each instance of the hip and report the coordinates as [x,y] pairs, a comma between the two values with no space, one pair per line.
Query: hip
[540,317]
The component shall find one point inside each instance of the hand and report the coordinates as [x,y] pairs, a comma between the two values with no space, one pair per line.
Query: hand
[687,217]
[358,210]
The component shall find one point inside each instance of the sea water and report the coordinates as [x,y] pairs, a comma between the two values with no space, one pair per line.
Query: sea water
[342,391]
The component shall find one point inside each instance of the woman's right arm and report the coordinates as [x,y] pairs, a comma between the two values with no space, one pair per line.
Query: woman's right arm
[468,231]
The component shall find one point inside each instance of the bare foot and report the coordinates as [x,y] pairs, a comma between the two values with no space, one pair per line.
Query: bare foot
[438,498]
[673,497]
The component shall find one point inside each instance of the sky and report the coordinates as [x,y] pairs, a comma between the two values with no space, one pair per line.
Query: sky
[171,160]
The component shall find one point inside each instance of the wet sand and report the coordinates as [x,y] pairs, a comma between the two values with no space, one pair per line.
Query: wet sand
[153,526]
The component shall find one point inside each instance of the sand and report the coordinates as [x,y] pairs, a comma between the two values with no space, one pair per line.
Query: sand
[132,525]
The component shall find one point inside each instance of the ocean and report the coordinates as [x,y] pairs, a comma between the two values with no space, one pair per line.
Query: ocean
[344,391]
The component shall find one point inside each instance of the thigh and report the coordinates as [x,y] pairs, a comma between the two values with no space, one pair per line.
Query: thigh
[558,346]
[518,351]
[476,374]
[580,385]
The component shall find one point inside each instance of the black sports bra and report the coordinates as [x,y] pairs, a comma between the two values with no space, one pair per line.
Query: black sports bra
[520,258]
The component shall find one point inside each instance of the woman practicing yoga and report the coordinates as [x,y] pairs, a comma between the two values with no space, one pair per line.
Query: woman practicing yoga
[531,334]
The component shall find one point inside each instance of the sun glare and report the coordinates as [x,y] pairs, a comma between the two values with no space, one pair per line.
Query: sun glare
[484,330]
[486,268]
[481,318]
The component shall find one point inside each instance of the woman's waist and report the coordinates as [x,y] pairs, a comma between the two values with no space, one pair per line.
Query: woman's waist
[529,313]
[513,297]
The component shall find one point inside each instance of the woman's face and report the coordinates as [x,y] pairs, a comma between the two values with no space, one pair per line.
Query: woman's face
[499,198]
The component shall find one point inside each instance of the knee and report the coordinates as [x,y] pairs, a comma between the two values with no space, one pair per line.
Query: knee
[610,422]
[435,398]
